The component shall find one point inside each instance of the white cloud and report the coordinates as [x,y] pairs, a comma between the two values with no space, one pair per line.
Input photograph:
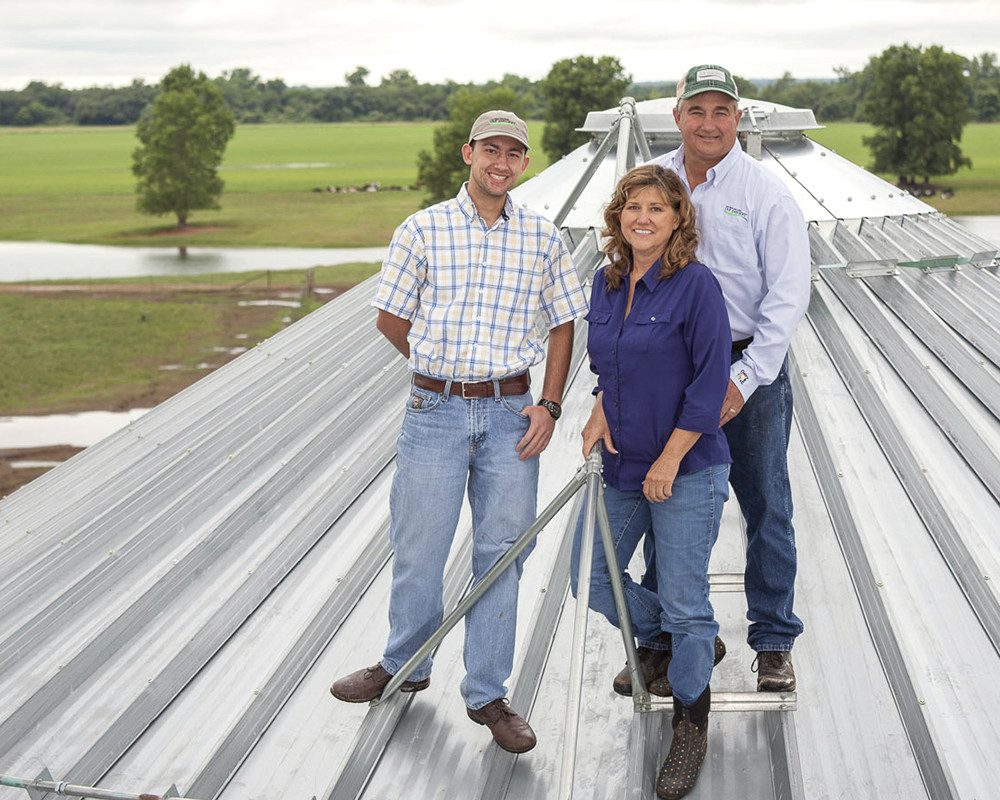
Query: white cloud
[88,42]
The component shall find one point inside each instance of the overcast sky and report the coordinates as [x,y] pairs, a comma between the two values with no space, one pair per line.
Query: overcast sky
[309,42]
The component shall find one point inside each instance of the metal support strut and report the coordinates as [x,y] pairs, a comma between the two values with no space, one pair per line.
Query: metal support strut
[43,785]
[595,515]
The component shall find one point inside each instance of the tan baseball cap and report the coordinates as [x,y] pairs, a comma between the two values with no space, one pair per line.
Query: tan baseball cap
[500,123]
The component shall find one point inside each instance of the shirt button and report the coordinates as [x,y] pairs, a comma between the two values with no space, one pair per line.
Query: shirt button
[652,319]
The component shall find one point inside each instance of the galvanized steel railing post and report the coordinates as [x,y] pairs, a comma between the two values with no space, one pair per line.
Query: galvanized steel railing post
[572,727]
[640,695]
[480,588]
[588,173]
[43,785]
[595,515]
[625,155]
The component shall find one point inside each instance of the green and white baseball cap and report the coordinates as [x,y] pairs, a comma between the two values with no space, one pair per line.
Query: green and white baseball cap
[707,78]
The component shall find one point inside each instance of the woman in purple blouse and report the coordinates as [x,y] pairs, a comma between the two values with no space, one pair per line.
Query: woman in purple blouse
[659,342]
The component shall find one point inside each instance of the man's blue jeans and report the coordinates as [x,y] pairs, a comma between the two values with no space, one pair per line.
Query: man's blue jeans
[447,443]
[758,441]
[684,528]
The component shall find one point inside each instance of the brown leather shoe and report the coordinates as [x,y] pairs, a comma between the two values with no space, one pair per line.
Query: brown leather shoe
[366,684]
[652,664]
[774,671]
[661,687]
[509,729]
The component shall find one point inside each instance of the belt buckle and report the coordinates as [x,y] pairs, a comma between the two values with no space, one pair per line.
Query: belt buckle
[464,395]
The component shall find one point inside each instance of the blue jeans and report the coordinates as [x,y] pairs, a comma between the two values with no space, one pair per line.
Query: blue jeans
[684,528]
[758,440]
[447,443]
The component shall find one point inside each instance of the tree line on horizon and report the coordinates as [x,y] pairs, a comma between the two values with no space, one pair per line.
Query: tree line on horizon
[399,96]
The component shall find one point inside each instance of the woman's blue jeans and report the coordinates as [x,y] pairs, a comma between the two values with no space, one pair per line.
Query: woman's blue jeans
[448,443]
[684,528]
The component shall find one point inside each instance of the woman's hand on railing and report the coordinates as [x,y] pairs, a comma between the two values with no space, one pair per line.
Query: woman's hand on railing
[597,430]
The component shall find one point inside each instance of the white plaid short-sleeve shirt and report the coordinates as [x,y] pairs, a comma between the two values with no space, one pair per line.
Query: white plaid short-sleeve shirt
[475,295]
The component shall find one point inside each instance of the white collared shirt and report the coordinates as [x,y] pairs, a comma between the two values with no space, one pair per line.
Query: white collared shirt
[754,238]
[473,293]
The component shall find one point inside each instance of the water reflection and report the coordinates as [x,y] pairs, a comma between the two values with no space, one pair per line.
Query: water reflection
[75,430]
[44,261]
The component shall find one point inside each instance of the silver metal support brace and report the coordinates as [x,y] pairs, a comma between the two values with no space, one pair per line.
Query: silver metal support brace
[755,137]
[625,159]
[631,138]
[640,694]
[639,134]
[487,581]
[572,728]
[595,512]
[588,173]
[36,787]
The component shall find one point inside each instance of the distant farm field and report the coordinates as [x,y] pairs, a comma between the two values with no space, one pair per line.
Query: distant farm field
[76,185]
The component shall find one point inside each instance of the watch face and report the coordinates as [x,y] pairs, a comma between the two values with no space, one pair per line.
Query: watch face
[553,408]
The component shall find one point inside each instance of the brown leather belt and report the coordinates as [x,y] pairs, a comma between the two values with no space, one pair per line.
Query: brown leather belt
[742,344]
[515,384]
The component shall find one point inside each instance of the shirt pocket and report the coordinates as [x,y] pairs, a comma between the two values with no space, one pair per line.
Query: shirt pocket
[653,331]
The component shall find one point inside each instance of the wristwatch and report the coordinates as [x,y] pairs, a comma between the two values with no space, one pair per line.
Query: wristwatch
[552,407]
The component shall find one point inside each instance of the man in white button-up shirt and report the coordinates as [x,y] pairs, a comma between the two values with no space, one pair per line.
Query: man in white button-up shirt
[754,238]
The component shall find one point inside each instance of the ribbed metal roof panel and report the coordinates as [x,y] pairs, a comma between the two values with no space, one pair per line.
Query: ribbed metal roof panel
[178,598]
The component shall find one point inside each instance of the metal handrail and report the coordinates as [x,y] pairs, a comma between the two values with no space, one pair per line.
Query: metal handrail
[595,515]
[37,787]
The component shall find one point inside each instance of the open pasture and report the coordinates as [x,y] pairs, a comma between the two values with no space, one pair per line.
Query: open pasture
[76,185]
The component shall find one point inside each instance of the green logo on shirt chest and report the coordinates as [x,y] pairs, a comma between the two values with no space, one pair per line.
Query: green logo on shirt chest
[736,212]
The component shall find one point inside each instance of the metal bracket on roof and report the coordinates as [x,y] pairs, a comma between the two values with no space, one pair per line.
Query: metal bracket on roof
[754,137]
[627,133]
[866,269]
[946,264]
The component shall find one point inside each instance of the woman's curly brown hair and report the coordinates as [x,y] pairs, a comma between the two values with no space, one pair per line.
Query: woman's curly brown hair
[680,247]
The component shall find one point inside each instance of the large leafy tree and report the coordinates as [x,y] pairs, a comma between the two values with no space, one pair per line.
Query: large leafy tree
[916,100]
[442,170]
[183,137]
[574,87]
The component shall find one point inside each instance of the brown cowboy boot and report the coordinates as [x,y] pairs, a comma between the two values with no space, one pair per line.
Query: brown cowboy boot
[687,749]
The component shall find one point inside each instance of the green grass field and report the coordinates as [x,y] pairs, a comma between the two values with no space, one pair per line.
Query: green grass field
[76,184]
[977,190]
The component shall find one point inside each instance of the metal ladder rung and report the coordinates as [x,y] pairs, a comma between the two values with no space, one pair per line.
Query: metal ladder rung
[743,701]
[726,581]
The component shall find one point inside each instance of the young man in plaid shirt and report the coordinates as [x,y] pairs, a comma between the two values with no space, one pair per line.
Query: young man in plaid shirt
[462,291]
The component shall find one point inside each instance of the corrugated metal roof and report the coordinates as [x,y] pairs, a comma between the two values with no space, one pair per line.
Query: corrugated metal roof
[177,599]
